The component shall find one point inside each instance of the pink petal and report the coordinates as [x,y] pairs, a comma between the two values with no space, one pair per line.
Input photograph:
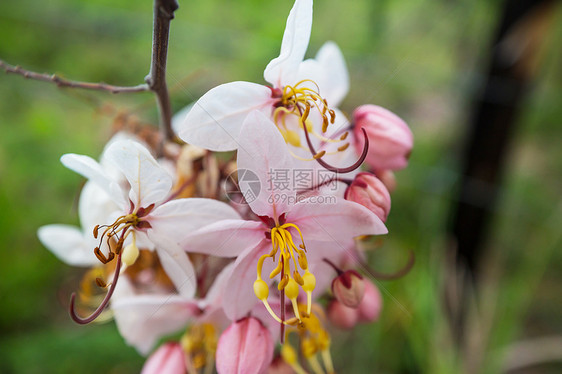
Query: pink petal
[226,238]
[263,151]
[240,298]
[338,222]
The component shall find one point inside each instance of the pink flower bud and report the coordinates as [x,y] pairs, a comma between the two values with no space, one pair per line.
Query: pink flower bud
[342,316]
[245,347]
[168,359]
[387,178]
[390,139]
[369,191]
[348,288]
[371,305]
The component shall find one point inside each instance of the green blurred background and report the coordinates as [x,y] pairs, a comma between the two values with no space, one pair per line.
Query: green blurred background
[422,59]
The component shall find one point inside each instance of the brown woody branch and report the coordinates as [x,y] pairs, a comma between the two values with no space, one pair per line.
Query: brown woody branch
[62,82]
[156,78]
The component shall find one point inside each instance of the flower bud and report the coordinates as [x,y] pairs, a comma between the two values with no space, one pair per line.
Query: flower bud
[348,288]
[369,191]
[169,358]
[390,138]
[342,316]
[245,347]
[387,178]
[371,305]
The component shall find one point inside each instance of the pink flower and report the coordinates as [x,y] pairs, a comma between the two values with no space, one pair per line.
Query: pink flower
[168,359]
[295,233]
[246,347]
[369,191]
[390,138]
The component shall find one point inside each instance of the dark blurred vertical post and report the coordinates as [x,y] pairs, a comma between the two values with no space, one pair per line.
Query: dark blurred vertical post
[521,31]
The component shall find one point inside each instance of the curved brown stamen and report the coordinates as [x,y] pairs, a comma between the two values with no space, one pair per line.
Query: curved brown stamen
[380,276]
[84,321]
[333,168]
[337,269]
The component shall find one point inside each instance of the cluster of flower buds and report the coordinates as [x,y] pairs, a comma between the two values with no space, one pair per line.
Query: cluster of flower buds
[355,300]
[237,252]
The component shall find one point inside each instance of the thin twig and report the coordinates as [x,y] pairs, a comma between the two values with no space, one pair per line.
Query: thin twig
[61,82]
[156,79]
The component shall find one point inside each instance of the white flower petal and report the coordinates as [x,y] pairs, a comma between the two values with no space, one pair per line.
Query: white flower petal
[150,183]
[177,266]
[264,153]
[335,84]
[68,244]
[143,320]
[179,118]
[283,70]
[215,120]
[177,219]
[95,207]
[88,168]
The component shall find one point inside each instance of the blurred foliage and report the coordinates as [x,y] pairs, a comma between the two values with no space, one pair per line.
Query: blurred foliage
[422,59]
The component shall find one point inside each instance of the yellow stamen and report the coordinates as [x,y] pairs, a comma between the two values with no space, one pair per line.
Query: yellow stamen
[298,100]
[290,281]
[315,365]
[290,356]
[200,344]
[327,358]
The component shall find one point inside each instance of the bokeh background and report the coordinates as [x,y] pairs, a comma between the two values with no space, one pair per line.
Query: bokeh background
[425,60]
